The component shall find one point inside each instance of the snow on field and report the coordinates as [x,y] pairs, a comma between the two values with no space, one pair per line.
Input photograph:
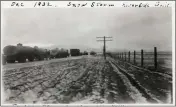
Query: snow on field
[133,92]
[53,82]
[86,80]
[155,84]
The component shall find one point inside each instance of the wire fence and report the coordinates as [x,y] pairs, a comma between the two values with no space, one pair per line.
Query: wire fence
[152,60]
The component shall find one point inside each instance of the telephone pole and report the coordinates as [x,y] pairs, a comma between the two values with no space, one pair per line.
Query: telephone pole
[104,47]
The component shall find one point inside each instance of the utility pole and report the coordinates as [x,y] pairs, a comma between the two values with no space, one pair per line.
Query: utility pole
[104,47]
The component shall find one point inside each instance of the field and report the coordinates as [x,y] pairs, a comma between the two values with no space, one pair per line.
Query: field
[85,80]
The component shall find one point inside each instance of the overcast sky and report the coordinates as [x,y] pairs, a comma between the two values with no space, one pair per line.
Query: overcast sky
[131,29]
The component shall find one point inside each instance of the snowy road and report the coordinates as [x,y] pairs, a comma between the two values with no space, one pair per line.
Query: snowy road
[36,63]
[86,80]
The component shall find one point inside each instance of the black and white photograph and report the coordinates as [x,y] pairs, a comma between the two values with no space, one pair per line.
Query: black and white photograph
[87,52]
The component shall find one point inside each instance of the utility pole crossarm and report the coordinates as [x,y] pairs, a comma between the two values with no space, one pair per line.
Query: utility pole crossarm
[108,37]
[105,40]
[108,40]
[99,37]
[100,40]
[105,37]
[104,47]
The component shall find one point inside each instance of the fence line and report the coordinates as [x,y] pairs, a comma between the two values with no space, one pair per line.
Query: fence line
[155,57]
[142,57]
[129,56]
[124,56]
[134,57]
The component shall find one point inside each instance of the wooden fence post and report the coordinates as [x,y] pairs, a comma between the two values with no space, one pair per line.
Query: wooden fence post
[125,56]
[134,57]
[122,55]
[155,58]
[129,56]
[119,55]
[142,58]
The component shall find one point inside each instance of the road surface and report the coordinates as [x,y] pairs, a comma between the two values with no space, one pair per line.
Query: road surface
[9,66]
[86,80]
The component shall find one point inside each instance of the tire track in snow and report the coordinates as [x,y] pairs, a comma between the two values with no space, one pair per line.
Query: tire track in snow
[139,93]
[116,88]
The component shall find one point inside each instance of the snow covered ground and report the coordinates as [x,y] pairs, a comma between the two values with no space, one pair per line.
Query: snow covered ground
[85,80]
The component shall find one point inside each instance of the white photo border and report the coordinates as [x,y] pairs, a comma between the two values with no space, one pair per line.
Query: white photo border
[63,4]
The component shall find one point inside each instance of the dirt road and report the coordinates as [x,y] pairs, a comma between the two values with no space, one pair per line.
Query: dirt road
[11,66]
[82,80]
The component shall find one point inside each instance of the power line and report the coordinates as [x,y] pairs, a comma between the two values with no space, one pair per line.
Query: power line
[104,47]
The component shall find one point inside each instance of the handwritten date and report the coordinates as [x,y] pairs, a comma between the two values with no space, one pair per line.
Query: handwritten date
[17,4]
[42,4]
